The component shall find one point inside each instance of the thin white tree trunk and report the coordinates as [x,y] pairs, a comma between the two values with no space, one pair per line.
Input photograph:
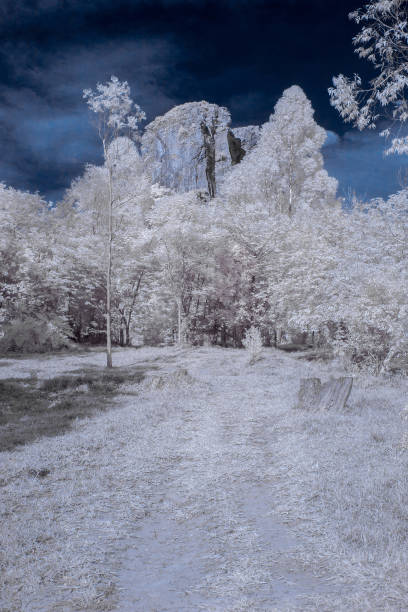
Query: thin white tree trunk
[290,199]
[109,280]
[291,171]
[179,321]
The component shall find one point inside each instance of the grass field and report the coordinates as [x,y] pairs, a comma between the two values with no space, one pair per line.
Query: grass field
[31,408]
[199,491]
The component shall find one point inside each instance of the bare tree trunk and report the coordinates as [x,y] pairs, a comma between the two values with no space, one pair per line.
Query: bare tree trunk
[129,317]
[223,335]
[127,340]
[209,152]
[290,199]
[291,172]
[179,321]
[109,280]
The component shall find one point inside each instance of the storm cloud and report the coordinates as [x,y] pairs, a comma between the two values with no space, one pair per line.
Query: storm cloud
[240,54]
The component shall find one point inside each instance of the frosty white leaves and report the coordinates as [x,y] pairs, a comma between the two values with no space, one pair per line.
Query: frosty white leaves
[112,102]
[285,169]
[383,41]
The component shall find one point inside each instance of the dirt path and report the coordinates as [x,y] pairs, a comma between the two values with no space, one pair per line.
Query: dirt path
[211,494]
[210,540]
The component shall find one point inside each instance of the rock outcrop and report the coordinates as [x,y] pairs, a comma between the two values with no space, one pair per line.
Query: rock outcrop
[249,136]
[192,146]
[237,151]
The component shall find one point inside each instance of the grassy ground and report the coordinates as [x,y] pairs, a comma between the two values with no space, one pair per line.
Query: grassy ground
[210,492]
[31,408]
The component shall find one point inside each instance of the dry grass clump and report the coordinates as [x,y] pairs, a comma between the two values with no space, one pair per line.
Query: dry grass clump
[176,379]
[178,382]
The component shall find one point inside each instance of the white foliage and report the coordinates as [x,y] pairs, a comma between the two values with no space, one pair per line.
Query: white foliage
[183,230]
[383,41]
[357,268]
[274,250]
[285,169]
[33,274]
[112,103]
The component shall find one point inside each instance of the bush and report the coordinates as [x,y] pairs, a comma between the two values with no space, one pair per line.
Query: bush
[35,335]
[253,344]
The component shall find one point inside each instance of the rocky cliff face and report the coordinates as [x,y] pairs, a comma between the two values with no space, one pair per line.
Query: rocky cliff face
[192,146]
[249,136]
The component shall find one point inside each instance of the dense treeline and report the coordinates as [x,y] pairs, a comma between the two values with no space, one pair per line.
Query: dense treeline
[274,249]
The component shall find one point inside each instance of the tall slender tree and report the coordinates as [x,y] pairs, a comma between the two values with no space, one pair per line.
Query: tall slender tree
[116,115]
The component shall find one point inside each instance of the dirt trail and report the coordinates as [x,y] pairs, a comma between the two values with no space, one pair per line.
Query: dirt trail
[210,540]
[183,498]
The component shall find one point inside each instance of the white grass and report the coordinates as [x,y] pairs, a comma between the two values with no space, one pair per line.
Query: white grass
[48,366]
[212,494]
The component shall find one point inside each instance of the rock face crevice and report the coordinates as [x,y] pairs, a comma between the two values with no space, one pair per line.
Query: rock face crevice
[190,146]
[237,152]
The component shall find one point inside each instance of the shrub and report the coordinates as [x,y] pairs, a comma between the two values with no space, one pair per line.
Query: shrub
[361,347]
[253,344]
[35,335]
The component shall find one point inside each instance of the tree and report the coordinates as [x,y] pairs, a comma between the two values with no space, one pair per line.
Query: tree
[183,227]
[32,271]
[374,277]
[383,41]
[92,235]
[33,276]
[347,279]
[117,114]
[285,169]
[278,184]
[380,292]
[251,241]
[209,133]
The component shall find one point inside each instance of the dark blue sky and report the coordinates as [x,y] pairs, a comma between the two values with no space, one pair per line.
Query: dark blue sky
[237,53]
